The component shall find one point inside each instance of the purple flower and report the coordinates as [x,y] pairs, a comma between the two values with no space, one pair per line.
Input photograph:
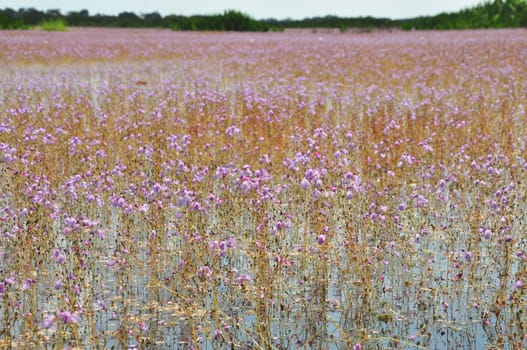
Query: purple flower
[70,222]
[58,284]
[27,284]
[243,278]
[231,243]
[321,239]
[205,271]
[222,246]
[61,259]
[49,321]
[218,334]
[181,263]
[232,130]
[68,317]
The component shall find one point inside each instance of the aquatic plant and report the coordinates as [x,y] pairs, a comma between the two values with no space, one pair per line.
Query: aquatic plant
[272,190]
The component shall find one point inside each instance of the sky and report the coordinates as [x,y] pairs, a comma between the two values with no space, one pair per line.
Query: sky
[259,9]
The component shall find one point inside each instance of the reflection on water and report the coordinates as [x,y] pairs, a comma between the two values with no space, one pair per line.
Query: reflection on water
[420,296]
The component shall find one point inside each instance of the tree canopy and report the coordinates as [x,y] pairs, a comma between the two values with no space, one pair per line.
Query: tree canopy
[489,14]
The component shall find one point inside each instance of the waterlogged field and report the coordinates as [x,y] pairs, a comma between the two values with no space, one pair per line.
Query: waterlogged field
[257,191]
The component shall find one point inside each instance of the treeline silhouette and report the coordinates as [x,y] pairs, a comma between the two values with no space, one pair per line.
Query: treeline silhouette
[230,20]
[489,14]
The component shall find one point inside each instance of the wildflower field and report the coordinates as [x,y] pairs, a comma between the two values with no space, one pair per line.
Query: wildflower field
[164,189]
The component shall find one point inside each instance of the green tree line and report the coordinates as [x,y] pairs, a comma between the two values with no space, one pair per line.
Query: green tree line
[489,14]
[229,20]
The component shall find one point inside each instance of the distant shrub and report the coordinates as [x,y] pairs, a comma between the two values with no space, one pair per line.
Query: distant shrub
[54,25]
[230,20]
[8,21]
